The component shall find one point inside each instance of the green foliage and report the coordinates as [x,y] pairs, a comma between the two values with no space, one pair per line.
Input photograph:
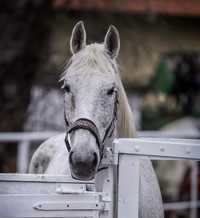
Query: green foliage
[164,78]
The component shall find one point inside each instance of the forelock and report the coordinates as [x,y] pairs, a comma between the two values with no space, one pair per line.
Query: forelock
[93,57]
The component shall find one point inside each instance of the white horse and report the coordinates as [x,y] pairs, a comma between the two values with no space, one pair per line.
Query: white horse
[96,111]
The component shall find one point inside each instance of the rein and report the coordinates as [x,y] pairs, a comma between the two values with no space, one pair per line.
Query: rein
[87,124]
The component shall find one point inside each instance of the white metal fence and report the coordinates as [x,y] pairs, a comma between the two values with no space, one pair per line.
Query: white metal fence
[154,148]
[24,141]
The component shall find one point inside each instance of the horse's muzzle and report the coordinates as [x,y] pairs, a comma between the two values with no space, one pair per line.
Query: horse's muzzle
[83,167]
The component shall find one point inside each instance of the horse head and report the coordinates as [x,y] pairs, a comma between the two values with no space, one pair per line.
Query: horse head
[90,99]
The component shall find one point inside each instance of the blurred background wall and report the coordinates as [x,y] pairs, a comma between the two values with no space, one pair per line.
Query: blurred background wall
[34,46]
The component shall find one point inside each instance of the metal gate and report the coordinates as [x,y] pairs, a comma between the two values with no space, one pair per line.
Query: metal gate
[25,195]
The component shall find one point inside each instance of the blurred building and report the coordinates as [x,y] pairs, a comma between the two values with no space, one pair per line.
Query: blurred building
[35,36]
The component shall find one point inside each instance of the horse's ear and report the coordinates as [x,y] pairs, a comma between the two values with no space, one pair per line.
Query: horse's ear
[112,42]
[78,38]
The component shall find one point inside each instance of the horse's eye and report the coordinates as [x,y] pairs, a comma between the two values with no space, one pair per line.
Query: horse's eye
[111,91]
[66,88]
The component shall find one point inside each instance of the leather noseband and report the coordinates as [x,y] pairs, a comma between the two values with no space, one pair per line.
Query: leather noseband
[86,124]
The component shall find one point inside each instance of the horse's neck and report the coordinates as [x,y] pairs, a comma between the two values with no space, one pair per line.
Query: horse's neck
[125,122]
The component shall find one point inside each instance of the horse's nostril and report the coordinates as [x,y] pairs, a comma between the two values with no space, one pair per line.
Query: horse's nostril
[95,160]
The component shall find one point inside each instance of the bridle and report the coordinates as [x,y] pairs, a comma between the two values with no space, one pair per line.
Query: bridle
[89,125]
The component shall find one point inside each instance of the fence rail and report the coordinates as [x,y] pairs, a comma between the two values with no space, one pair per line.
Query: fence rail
[24,140]
[40,136]
[153,148]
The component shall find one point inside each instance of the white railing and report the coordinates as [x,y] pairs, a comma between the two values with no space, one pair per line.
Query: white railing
[52,196]
[153,148]
[24,141]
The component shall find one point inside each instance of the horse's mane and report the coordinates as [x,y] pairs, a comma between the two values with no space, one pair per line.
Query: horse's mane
[95,56]
[126,127]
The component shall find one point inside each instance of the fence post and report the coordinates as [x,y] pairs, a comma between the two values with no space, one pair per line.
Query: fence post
[23,149]
[194,189]
[128,195]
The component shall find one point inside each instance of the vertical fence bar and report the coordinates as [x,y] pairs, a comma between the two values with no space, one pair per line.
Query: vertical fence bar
[23,149]
[128,195]
[194,189]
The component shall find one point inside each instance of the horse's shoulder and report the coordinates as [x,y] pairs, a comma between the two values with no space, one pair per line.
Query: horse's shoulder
[55,141]
[45,153]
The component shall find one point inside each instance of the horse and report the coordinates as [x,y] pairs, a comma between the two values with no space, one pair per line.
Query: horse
[96,110]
